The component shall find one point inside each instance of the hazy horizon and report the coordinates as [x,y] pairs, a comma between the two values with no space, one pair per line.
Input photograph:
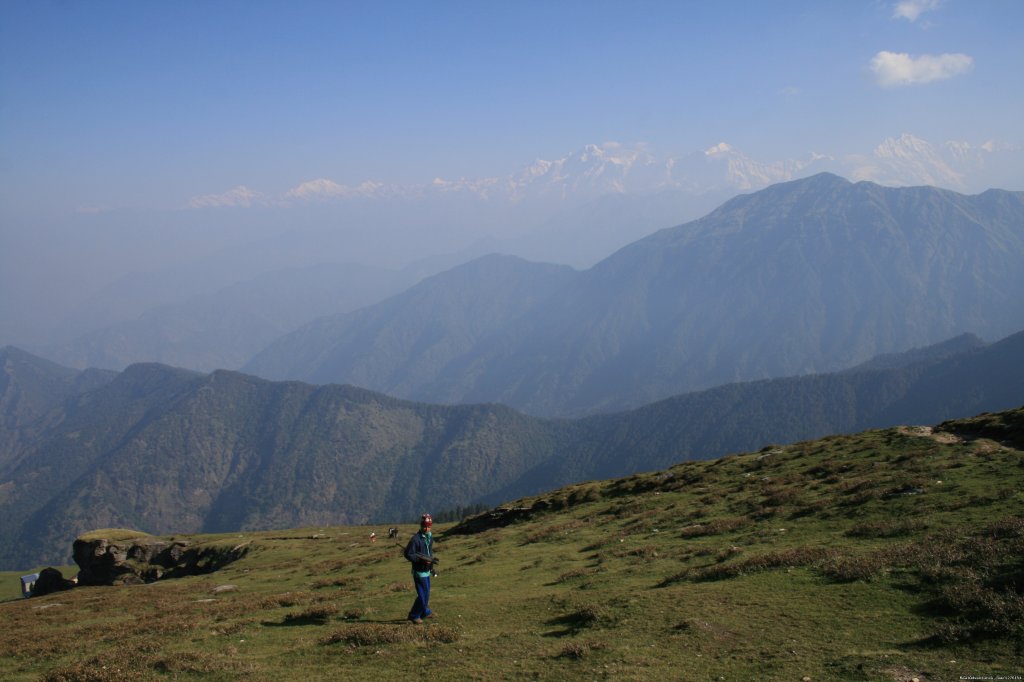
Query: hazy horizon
[151,153]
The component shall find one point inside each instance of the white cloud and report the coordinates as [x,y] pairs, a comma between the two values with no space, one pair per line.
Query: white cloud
[912,9]
[789,91]
[239,196]
[895,69]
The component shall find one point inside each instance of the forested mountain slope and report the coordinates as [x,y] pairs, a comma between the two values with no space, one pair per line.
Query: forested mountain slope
[168,450]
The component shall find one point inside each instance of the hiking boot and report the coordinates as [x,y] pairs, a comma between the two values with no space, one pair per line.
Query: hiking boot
[416,621]
[429,615]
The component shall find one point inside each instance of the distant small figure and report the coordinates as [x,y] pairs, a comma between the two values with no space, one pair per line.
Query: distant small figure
[373,537]
[392,533]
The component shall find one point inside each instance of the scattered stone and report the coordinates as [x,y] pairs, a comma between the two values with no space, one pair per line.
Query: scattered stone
[47,606]
[224,588]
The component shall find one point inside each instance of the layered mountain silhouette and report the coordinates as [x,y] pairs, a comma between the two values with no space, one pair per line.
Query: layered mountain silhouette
[813,275]
[225,328]
[166,450]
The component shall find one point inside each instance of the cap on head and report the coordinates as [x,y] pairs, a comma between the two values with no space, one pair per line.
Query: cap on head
[426,521]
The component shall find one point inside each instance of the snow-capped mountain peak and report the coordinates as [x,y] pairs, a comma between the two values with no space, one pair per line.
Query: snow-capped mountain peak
[596,170]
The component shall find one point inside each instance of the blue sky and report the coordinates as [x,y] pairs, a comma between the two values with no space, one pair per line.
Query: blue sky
[146,104]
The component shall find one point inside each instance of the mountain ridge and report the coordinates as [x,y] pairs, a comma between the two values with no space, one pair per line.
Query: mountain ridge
[806,276]
[169,450]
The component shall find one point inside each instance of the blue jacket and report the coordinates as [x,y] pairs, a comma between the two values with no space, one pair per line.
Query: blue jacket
[419,552]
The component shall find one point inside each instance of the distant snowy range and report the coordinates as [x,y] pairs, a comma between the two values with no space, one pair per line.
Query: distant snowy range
[581,207]
[237,269]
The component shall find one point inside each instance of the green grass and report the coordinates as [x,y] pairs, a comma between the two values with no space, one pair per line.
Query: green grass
[839,559]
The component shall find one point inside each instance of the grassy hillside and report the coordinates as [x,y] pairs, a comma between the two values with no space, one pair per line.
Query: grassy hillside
[887,555]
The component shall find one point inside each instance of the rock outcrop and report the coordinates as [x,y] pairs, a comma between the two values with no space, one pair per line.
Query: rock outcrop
[50,580]
[125,557]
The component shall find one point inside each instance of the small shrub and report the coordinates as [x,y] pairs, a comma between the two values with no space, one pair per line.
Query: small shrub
[863,497]
[1009,527]
[574,651]
[646,552]
[816,507]
[589,493]
[316,614]
[848,569]
[624,510]
[781,496]
[585,616]
[575,573]
[727,553]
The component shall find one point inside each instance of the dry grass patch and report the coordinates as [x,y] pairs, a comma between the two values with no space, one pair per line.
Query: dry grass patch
[847,569]
[646,552]
[714,527]
[345,582]
[552,531]
[885,529]
[787,558]
[577,651]
[286,599]
[575,573]
[376,634]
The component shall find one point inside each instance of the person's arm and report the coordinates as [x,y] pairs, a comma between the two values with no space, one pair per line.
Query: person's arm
[410,550]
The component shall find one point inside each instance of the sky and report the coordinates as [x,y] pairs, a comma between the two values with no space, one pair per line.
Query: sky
[145,105]
[125,126]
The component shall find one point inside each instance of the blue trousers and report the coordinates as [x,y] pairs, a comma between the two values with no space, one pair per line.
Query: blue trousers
[419,607]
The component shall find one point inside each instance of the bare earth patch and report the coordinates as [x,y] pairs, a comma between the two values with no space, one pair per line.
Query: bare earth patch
[929,432]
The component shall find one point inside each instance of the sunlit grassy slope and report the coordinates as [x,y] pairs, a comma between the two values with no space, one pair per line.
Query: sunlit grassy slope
[887,555]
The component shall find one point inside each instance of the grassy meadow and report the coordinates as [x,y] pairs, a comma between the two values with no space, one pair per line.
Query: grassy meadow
[895,554]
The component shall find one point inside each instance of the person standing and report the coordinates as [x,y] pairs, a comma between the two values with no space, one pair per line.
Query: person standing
[420,553]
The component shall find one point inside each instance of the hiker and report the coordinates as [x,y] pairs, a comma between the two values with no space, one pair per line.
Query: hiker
[420,553]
